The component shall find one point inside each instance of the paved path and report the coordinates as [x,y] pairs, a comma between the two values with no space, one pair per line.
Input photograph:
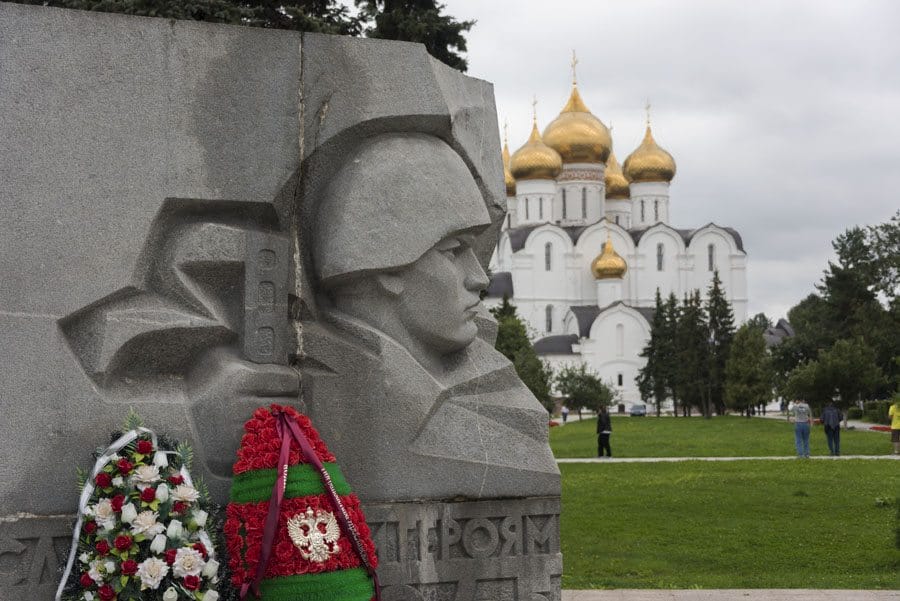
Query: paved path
[676,459]
[730,595]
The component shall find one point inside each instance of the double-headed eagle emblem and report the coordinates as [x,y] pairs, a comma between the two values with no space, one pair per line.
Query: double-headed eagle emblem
[315,534]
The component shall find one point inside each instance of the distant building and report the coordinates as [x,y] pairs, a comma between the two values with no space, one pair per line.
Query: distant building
[586,244]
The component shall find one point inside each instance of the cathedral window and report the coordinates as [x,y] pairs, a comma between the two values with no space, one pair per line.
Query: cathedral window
[711,257]
[583,204]
[643,217]
[541,207]
[564,205]
[620,379]
[526,208]
[655,210]
[548,253]
[620,340]
[617,220]
[564,195]
[508,220]
[659,257]
[548,311]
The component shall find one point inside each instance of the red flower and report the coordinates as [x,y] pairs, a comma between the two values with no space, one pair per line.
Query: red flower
[129,567]
[179,506]
[124,466]
[106,592]
[122,542]
[199,547]
[86,581]
[103,480]
[117,502]
[90,527]
[176,479]
[102,547]
[144,447]
[148,494]
[170,556]
[191,583]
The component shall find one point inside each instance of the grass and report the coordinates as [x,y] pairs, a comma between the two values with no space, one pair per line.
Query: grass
[750,524]
[724,436]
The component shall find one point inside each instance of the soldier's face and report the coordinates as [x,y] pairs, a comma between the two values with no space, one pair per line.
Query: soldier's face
[440,295]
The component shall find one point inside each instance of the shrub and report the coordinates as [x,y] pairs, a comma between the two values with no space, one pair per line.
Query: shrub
[876,412]
[854,413]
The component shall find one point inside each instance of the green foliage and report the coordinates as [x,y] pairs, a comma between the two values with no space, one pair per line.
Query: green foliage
[513,342]
[760,321]
[692,380]
[854,413]
[748,372]
[726,436]
[720,321]
[847,371]
[876,412]
[628,526]
[653,377]
[81,478]
[133,421]
[409,20]
[186,454]
[583,388]
[418,21]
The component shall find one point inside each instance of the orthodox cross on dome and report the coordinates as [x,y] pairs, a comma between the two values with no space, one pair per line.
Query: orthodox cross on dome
[647,108]
[574,64]
[534,108]
[506,131]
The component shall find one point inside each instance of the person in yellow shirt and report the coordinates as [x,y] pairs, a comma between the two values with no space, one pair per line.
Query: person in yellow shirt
[894,414]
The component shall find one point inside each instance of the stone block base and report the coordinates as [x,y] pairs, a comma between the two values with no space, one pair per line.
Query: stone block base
[32,549]
[498,550]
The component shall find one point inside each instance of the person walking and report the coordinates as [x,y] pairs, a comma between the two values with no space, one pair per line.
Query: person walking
[894,414]
[801,417]
[604,429]
[565,413]
[831,419]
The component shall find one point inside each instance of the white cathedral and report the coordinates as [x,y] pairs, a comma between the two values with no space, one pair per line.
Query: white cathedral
[586,244]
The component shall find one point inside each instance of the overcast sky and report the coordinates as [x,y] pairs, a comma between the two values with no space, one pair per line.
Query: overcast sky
[783,116]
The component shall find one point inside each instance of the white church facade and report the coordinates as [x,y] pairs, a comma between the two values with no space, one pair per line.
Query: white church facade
[586,244]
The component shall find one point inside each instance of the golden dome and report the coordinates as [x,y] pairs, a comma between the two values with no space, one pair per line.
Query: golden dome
[608,264]
[577,135]
[616,184]
[535,160]
[507,176]
[649,162]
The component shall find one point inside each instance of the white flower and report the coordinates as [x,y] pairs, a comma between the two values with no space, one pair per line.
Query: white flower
[94,571]
[160,459]
[158,545]
[118,482]
[200,517]
[114,457]
[211,568]
[145,523]
[146,474]
[129,512]
[84,558]
[152,571]
[162,493]
[185,492]
[188,561]
[88,596]
[171,594]
[104,514]
[174,529]
[110,567]
[211,595]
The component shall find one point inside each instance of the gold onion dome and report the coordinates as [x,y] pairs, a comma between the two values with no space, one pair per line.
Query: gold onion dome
[507,175]
[535,160]
[577,135]
[608,264]
[649,162]
[616,184]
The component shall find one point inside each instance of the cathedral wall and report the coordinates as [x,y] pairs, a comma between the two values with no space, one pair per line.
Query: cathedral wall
[668,279]
[616,340]
[589,246]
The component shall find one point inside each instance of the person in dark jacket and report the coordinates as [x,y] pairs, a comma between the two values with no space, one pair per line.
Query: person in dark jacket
[604,429]
[831,419]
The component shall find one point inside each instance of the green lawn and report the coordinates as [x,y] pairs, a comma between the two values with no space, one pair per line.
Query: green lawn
[725,436]
[748,524]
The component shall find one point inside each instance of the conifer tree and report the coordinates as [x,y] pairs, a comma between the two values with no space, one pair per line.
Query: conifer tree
[513,342]
[720,320]
[668,349]
[692,376]
[651,378]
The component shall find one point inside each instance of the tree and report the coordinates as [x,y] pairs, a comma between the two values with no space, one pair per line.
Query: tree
[668,351]
[692,343]
[323,16]
[748,372]
[651,378]
[582,388]
[513,342]
[720,321]
[409,20]
[760,321]
[419,21]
